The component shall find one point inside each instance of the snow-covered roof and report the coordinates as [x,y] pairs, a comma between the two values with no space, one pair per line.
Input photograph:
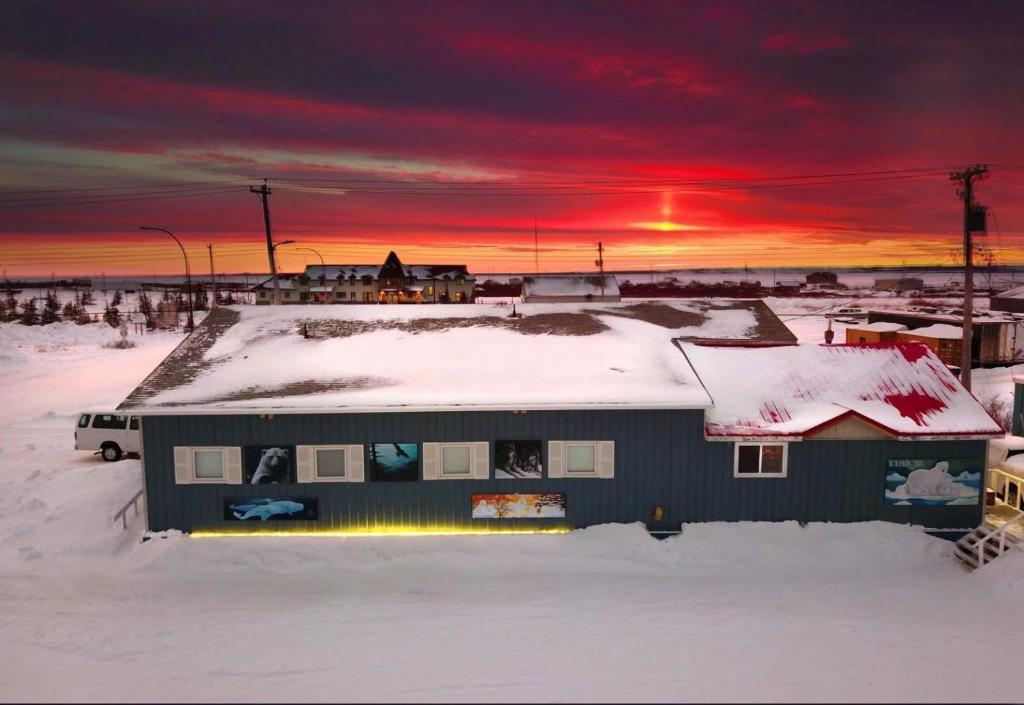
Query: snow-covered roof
[357,271]
[346,271]
[790,391]
[1010,442]
[939,330]
[395,358]
[1017,293]
[980,317]
[437,271]
[879,327]
[581,285]
[1014,465]
[284,281]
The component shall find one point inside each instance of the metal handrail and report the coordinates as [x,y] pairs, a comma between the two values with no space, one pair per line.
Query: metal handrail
[1001,532]
[123,513]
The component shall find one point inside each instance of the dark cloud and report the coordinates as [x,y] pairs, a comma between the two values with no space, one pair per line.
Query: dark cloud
[522,89]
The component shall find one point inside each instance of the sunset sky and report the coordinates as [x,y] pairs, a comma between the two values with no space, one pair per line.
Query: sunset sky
[442,130]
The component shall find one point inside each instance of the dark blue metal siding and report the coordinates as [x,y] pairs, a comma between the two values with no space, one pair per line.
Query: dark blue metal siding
[661,458]
[1017,423]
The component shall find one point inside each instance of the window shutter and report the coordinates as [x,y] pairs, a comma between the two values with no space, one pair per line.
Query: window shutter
[304,464]
[233,466]
[606,459]
[354,460]
[182,466]
[431,461]
[556,459]
[482,461]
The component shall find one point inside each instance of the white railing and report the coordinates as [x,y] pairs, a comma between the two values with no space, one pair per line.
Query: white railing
[996,533]
[123,513]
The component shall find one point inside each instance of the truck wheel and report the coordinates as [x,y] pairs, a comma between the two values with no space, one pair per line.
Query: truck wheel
[111,452]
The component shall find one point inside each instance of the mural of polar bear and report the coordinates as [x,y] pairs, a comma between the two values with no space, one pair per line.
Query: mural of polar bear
[273,468]
[931,482]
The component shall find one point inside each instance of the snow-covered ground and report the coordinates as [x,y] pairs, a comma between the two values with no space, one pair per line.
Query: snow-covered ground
[736,612]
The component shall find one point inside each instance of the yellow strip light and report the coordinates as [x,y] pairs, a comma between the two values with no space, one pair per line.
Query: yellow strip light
[377,532]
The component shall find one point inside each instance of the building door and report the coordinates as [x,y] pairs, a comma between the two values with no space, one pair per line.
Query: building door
[1013,493]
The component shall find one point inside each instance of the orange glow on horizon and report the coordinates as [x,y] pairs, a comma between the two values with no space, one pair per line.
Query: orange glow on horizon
[240,254]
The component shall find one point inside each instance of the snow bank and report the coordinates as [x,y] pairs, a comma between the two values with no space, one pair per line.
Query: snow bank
[733,612]
[54,336]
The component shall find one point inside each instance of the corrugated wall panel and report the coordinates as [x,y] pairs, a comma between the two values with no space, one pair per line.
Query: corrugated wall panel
[1017,423]
[661,459]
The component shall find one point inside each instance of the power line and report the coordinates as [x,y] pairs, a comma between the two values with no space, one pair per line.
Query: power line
[434,188]
[634,180]
[100,201]
[403,190]
[176,184]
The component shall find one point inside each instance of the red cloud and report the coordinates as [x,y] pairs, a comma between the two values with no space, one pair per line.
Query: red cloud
[802,44]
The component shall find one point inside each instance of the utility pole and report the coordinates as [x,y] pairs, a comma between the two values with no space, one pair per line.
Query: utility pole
[600,266]
[965,190]
[213,280]
[264,193]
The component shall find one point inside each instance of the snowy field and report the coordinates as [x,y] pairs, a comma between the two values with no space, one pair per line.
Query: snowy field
[740,612]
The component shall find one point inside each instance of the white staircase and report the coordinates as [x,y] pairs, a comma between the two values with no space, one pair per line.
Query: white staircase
[988,542]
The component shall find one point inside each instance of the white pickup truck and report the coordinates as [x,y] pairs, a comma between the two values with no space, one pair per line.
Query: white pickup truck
[108,433]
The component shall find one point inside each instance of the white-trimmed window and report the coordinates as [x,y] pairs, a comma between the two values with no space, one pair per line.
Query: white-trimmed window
[457,461]
[581,459]
[217,465]
[760,460]
[329,463]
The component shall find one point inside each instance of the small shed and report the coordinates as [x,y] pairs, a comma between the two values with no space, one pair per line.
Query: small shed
[788,286]
[943,339]
[870,333]
[571,289]
[167,315]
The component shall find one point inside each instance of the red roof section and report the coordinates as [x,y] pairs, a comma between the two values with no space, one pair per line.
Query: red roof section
[902,388]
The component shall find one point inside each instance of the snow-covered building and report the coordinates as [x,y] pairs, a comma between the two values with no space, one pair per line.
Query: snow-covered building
[356,418]
[998,338]
[870,333]
[389,283]
[570,289]
[1011,301]
[899,284]
[945,340]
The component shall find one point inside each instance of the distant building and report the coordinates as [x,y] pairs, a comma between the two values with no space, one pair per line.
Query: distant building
[567,289]
[788,286]
[899,284]
[389,283]
[1011,300]
[823,278]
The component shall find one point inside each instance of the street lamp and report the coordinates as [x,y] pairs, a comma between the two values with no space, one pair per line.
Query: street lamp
[323,268]
[188,271]
[273,261]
